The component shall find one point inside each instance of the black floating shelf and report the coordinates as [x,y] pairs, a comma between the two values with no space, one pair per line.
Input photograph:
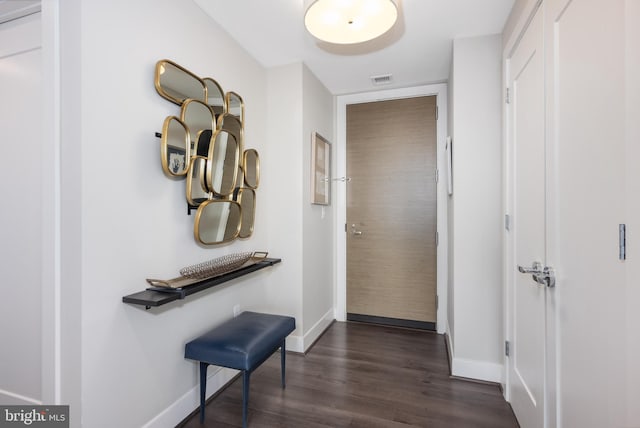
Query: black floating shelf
[158,296]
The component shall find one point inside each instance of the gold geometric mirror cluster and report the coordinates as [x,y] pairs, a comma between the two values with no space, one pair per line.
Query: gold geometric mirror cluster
[205,146]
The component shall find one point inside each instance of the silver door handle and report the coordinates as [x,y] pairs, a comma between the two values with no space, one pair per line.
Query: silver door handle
[354,231]
[541,275]
[536,267]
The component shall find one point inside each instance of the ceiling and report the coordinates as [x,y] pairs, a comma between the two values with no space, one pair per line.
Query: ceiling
[416,51]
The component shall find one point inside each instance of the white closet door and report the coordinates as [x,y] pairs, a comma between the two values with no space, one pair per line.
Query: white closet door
[526,303]
[21,210]
[585,72]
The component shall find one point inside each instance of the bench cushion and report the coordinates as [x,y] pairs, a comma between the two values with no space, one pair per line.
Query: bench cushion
[243,342]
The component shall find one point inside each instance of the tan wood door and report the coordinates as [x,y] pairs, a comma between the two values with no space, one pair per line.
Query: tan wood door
[391,210]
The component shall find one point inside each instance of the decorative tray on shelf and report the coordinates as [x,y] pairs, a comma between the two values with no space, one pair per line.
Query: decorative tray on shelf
[193,274]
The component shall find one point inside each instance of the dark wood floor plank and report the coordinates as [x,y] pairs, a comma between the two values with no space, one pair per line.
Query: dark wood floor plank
[367,376]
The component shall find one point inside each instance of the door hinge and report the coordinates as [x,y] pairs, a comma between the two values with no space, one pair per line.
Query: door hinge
[437,239]
[437,175]
[507,348]
[622,241]
[437,112]
[437,302]
[507,222]
[345,227]
[507,98]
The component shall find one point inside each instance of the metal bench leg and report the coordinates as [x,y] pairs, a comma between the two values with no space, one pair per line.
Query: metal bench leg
[203,388]
[283,361]
[245,396]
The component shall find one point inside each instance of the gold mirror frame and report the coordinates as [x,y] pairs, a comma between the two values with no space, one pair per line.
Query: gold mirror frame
[234,102]
[195,193]
[208,220]
[227,168]
[175,156]
[230,123]
[247,200]
[176,84]
[201,149]
[251,172]
[213,89]
[206,144]
[198,116]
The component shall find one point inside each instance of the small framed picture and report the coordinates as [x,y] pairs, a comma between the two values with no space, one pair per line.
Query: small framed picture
[320,169]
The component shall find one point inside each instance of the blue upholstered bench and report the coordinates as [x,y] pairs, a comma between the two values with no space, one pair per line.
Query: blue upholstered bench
[242,343]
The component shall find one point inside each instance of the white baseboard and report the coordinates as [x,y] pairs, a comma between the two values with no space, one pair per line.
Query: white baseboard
[190,401]
[473,369]
[449,341]
[479,370]
[301,344]
[295,344]
[318,328]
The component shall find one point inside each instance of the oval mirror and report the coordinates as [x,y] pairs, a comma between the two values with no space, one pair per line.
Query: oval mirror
[247,200]
[201,149]
[198,117]
[175,147]
[222,163]
[251,168]
[177,84]
[239,176]
[215,96]
[195,192]
[232,124]
[235,106]
[217,221]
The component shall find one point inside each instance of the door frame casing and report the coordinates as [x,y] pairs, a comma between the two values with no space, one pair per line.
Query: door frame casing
[340,207]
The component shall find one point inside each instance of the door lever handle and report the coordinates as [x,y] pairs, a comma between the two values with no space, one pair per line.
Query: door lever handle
[541,275]
[354,231]
[536,267]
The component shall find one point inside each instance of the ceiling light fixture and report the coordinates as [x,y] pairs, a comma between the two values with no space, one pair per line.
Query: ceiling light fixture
[350,21]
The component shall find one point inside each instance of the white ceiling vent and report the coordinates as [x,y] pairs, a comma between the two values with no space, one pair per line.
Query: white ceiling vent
[383,79]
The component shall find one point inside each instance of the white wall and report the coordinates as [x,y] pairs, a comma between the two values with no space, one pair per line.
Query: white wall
[284,158]
[122,220]
[477,216]
[133,218]
[450,328]
[317,221]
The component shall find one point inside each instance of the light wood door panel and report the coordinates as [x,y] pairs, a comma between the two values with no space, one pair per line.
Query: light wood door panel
[391,209]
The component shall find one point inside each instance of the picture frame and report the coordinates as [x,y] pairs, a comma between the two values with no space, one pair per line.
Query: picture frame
[320,170]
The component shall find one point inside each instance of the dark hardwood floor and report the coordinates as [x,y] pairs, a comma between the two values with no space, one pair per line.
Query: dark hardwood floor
[360,375]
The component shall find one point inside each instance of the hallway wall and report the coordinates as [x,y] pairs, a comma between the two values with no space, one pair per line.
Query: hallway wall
[123,220]
[476,218]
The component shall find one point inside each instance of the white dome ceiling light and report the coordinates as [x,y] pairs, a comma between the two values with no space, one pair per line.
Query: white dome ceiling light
[350,21]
